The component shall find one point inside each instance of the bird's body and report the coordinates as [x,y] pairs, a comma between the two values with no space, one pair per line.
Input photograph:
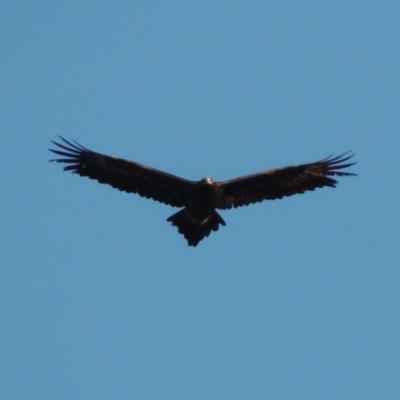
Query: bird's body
[199,217]
[202,199]
[199,199]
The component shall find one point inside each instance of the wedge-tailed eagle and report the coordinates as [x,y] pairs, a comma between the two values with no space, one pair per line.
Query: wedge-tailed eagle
[199,200]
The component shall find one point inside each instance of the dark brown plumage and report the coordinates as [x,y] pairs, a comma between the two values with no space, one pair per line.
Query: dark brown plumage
[199,199]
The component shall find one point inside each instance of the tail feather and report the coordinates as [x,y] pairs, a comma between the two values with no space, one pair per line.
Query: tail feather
[192,231]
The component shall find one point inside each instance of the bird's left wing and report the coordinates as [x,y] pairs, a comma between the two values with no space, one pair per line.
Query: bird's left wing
[281,182]
[124,175]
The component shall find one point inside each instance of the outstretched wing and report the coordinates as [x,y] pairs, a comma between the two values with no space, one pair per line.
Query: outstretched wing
[124,175]
[282,182]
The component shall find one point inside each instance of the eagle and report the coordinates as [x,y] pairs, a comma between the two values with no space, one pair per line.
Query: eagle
[199,200]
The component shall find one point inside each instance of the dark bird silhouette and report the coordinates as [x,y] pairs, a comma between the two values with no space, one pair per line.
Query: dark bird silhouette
[199,200]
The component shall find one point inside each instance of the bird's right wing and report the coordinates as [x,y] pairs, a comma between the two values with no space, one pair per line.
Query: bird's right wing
[124,175]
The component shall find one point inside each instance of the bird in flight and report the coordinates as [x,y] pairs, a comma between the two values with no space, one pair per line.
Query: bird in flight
[199,200]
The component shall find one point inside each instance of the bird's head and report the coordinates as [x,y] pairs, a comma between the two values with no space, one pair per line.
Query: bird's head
[207,181]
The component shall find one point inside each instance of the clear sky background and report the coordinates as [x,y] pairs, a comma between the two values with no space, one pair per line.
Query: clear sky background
[100,298]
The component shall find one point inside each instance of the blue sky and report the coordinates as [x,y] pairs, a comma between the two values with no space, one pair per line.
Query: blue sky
[296,299]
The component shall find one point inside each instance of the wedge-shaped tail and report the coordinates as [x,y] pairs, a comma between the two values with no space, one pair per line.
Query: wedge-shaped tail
[193,231]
